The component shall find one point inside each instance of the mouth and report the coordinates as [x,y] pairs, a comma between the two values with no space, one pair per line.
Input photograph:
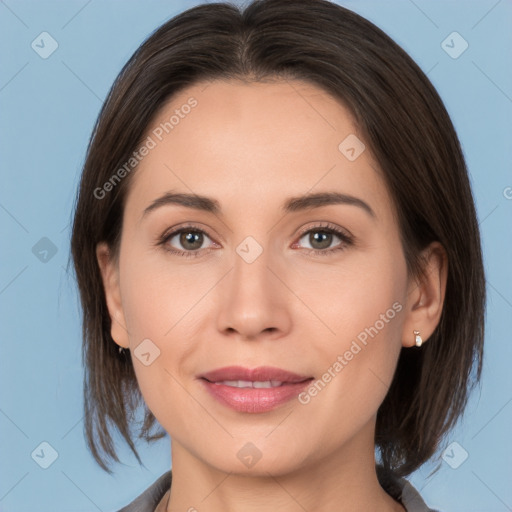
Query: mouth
[251,375]
[255,390]
[250,384]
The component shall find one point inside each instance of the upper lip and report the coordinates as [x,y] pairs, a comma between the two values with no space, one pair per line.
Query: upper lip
[260,374]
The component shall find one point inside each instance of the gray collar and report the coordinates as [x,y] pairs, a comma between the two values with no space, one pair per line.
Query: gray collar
[398,488]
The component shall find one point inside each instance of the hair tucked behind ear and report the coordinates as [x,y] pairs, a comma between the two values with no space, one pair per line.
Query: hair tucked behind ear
[403,121]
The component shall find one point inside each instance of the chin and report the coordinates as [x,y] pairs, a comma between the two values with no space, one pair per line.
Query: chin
[257,458]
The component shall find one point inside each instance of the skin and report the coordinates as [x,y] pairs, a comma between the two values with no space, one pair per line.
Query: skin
[251,147]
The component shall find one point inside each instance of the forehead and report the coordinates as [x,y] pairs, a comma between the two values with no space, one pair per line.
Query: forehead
[252,143]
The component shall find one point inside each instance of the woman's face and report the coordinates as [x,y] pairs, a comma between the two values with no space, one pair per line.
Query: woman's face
[263,281]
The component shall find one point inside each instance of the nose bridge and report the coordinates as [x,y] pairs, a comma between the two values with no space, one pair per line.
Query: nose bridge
[252,298]
[250,272]
[251,279]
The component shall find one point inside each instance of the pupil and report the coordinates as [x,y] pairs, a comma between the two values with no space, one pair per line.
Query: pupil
[191,237]
[325,239]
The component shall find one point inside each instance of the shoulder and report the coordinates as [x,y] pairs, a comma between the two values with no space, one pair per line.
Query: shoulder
[149,499]
[403,491]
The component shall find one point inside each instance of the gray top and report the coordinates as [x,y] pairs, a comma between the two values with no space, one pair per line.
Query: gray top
[398,488]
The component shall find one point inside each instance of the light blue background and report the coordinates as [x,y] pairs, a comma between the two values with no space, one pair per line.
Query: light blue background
[48,108]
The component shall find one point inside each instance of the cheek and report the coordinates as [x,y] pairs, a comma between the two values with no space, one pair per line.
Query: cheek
[363,304]
[158,295]
[161,303]
[351,296]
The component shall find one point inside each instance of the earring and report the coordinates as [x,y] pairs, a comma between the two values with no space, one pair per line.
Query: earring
[418,339]
[121,350]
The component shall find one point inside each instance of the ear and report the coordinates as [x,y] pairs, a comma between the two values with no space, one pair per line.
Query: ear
[425,297]
[110,275]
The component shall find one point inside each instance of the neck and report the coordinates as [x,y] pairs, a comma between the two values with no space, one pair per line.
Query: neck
[345,481]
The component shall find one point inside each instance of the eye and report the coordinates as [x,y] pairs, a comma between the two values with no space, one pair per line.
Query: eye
[186,241]
[321,237]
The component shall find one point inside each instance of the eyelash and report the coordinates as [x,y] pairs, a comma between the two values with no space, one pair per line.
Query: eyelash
[346,240]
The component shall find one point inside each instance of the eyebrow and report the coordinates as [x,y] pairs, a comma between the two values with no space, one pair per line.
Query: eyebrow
[292,204]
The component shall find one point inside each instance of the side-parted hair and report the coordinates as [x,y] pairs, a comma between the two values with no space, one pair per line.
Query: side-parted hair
[400,117]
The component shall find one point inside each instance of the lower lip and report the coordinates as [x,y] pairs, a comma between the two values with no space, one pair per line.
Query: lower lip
[255,400]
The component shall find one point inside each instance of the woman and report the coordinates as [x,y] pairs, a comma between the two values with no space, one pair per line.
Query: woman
[277,249]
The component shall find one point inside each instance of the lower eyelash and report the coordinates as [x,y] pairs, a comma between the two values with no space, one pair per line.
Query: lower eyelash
[189,254]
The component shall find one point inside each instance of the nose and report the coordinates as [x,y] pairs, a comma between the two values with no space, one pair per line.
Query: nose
[253,301]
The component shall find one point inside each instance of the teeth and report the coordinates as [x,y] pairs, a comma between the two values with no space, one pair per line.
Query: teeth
[251,384]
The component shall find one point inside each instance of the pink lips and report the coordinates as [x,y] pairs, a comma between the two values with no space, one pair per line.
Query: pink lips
[285,386]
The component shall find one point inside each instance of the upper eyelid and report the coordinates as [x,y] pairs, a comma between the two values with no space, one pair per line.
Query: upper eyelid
[328,227]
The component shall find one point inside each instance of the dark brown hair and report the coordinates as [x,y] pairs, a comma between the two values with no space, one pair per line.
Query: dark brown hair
[406,126]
